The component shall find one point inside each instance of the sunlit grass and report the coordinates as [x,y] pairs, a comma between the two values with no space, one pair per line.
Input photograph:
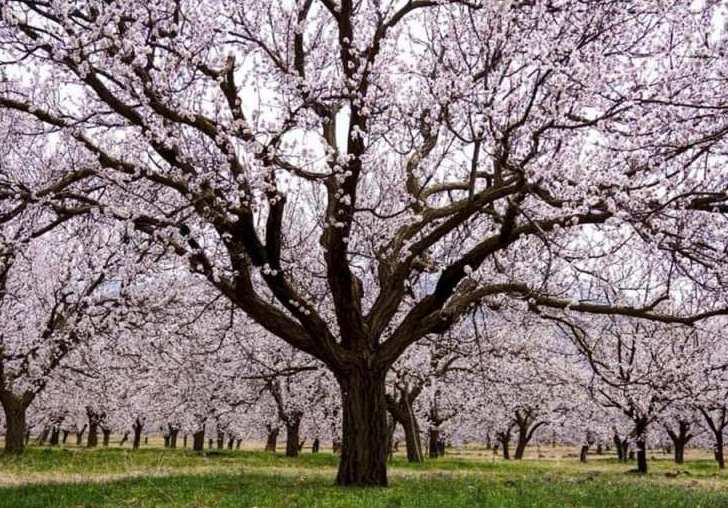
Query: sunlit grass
[154,477]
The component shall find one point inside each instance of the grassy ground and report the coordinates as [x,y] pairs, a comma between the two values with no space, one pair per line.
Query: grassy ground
[121,478]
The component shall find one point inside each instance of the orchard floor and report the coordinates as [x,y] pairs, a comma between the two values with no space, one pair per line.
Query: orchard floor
[153,477]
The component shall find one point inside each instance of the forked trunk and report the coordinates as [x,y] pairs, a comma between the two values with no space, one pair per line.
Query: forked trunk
[79,435]
[504,438]
[15,428]
[680,439]
[364,437]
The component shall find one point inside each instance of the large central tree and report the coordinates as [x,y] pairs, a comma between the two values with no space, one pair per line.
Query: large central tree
[357,175]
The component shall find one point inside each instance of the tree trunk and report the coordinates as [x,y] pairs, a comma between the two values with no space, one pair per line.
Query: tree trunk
[173,433]
[79,435]
[364,437]
[679,452]
[522,442]
[504,438]
[93,433]
[434,442]
[584,452]
[719,451]
[198,440]
[618,446]
[124,439]
[391,428]
[231,442]
[107,436]
[55,435]
[402,412]
[293,426]
[138,426]
[184,441]
[15,427]
[65,436]
[272,441]
[412,437]
[679,439]
[506,451]
[641,449]
[43,436]
[220,440]
[315,446]
[238,443]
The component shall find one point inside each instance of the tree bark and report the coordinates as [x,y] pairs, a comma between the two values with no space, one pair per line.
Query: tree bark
[640,440]
[79,435]
[412,439]
[138,426]
[521,444]
[93,434]
[316,445]
[65,436]
[504,438]
[583,453]
[15,426]
[618,446]
[719,451]
[40,441]
[272,440]
[107,436]
[364,438]
[434,442]
[55,435]
[401,410]
[198,440]
[293,426]
[679,439]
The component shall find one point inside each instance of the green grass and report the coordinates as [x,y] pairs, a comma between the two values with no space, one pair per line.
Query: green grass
[116,478]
